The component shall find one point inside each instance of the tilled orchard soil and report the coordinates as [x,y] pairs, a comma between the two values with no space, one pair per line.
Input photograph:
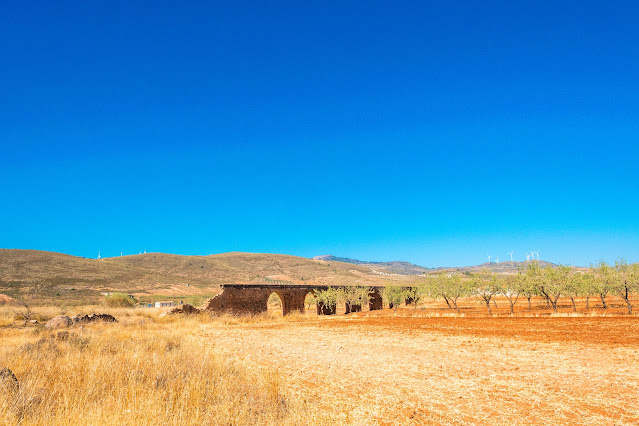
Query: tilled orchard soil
[401,368]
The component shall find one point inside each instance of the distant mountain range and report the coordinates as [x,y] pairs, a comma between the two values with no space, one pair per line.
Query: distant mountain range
[407,268]
[394,267]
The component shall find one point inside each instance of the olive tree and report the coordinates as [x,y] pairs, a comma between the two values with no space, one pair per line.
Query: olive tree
[588,285]
[328,298]
[623,281]
[356,295]
[554,283]
[418,292]
[526,285]
[605,278]
[510,289]
[454,287]
[485,285]
[310,300]
[395,295]
[575,288]
[437,288]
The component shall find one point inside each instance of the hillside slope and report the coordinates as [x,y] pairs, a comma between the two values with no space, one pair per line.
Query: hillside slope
[69,277]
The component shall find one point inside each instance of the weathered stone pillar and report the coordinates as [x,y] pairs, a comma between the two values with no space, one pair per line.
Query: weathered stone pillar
[376,302]
[292,300]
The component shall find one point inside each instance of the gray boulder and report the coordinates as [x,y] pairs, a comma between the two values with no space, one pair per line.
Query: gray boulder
[61,321]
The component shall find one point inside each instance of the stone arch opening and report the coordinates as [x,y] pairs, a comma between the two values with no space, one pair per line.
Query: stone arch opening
[275,303]
[310,303]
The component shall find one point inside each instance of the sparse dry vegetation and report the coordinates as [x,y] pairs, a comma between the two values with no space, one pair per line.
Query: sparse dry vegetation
[142,370]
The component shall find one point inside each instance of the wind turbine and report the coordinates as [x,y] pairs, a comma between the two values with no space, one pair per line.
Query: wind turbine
[121,253]
[511,256]
[98,254]
[527,256]
[145,251]
[537,254]
[489,259]
[497,260]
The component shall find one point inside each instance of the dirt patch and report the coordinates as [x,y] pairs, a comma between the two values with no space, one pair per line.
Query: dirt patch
[395,370]
[616,331]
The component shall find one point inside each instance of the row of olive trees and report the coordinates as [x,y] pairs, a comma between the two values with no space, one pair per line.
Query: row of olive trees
[550,283]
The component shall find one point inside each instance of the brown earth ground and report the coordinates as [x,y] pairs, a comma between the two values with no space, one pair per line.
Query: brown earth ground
[429,365]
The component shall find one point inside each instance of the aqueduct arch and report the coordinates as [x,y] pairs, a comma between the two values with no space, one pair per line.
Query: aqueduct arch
[245,299]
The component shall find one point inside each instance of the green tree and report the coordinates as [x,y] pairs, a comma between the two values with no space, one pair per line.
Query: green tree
[574,288]
[395,295]
[605,275]
[356,295]
[455,287]
[310,300]
[485,285]
[526,284]
[623,282]
[510,289]
[588,285]
[327,298]
[554,283]
[416,293]
[437,288]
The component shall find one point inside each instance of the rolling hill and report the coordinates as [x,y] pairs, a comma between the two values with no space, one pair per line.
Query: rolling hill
[66,277]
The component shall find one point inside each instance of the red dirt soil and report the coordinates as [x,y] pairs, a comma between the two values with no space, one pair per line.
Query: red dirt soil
[419,367]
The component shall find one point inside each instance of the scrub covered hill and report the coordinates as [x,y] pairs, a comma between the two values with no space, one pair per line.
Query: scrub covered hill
[62,277]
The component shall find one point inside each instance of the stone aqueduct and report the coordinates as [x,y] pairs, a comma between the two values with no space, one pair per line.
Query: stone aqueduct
[244,299]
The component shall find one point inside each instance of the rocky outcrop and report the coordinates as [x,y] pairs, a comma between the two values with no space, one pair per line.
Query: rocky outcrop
[85,319]
[61,321]
[184,309]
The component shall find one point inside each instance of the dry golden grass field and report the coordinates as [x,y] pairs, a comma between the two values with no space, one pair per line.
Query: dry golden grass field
[424,366]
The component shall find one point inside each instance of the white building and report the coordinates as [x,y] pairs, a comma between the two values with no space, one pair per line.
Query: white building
[165,304]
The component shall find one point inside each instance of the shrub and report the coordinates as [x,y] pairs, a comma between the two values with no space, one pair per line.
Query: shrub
[120,300]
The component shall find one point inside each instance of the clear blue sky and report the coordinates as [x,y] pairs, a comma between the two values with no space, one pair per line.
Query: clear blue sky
[433,132]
